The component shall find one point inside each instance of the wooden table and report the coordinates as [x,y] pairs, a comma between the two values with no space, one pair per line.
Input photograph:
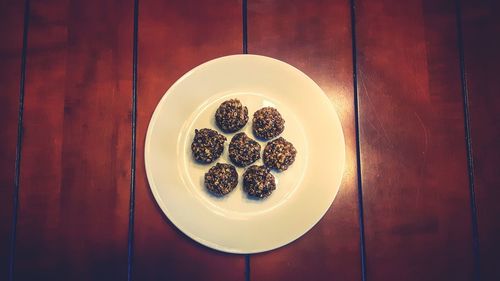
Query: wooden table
[415,83]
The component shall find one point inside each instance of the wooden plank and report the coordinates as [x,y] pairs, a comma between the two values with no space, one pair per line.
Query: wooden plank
[11,34]
[316,38]
[175,36]
[75,174]
[413,156]
[481,29]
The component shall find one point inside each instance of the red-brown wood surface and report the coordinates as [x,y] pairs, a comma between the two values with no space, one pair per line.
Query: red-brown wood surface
[175,36]
[413,153]
[75,172]
[481,35]
[76,149]
[11,34]
[316,38]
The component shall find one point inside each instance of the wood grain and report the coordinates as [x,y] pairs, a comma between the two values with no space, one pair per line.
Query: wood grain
[75,173]
[11,32]
[175,36]
[413,156]
[481,29]
[316,38]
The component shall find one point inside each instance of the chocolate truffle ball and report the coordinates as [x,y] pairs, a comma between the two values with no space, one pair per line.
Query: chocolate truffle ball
[243,150]
[231,116]
[207,145]
[279,154]
[267,123]
[221,179]
[258,181]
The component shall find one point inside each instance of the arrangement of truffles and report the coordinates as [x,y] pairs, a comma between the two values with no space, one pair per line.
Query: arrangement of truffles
[258,181]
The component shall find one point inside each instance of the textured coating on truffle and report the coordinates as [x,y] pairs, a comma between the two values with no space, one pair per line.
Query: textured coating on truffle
[231,116]
[207,145]
[279,154]
[221,179]
[267,123]
[258,181]
[243,150]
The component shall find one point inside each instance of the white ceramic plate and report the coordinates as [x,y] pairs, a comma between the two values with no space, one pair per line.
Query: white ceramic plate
[236,223]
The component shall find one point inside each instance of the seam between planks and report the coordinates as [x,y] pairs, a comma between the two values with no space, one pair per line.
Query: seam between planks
[245,27]
[17,169]
[468,141]
[130,249]
[358,152]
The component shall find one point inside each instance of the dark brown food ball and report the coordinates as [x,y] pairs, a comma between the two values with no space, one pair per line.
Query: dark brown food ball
[231,116]
[221,179]
[243,150]
[268,123]
[207,145]
[258,181]
[279,154]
